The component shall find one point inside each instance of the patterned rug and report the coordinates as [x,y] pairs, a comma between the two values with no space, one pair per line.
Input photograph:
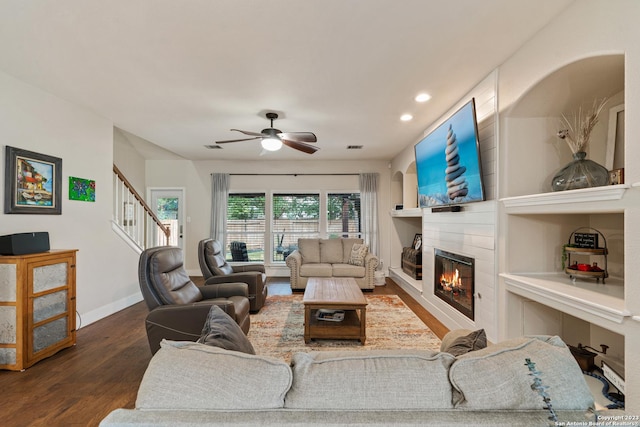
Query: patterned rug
[278,331]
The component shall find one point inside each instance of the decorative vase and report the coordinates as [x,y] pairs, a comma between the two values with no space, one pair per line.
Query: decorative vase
[580,173]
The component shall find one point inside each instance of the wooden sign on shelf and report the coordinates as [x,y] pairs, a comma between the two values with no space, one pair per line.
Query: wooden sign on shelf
[585,240]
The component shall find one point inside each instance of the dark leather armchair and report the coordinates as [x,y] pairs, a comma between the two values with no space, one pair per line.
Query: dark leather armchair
[177,307]
[216,270]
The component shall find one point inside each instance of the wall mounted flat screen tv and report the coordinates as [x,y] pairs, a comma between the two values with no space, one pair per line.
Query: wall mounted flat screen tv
[448,162]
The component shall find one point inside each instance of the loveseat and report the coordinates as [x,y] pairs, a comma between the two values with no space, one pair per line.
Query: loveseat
[194,384]
[341,257]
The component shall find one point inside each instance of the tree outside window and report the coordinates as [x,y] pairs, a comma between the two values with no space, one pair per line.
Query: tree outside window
[343,215]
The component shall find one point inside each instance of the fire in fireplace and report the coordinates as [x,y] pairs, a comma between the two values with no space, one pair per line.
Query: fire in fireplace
[454,281]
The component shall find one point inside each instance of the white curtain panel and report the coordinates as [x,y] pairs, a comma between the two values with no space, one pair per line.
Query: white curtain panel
[369,210]
[219,196]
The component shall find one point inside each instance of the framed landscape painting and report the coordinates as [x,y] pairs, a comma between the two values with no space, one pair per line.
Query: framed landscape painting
[32,183]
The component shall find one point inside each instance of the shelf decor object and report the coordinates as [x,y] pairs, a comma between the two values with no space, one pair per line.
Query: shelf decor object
[580,172]
[585,244]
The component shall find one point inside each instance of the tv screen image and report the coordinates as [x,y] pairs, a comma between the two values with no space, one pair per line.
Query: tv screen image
[448,161]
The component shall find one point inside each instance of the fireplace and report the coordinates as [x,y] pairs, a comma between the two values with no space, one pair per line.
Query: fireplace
[454,280]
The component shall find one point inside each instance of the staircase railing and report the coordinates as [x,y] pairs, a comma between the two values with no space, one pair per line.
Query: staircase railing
[134,217]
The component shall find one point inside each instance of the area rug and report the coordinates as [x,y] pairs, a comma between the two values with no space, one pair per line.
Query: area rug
[278,331]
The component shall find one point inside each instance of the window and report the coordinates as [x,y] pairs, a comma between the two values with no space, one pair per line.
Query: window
[294,216]
[246,222]
[343,215]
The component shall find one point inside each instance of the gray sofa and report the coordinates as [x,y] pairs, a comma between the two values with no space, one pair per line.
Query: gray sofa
[330,258]
[192,384]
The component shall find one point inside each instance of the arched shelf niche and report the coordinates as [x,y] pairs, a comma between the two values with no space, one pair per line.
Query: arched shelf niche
[410,187]
[533,152]
[397,183]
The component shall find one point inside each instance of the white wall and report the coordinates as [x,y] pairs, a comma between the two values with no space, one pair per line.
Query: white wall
[38,121]
[195,177]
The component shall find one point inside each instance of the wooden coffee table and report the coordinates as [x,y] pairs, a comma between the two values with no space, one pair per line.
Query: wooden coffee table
[334,293]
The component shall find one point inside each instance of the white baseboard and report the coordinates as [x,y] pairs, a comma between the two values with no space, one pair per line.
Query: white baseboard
[106,310]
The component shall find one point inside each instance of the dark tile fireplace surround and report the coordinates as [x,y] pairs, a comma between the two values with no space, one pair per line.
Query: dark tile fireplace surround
[454,281]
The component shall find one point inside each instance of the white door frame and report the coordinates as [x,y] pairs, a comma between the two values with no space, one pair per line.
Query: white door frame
[154,192]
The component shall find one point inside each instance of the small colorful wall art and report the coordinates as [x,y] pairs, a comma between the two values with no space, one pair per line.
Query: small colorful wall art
[82,189]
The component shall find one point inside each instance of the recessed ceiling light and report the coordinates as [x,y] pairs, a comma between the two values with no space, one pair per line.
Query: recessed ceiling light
[406,117]
[422,97]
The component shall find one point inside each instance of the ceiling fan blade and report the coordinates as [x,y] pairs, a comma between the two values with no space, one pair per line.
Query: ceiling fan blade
[238,140]
[246,132]
[299,136]
[309,149]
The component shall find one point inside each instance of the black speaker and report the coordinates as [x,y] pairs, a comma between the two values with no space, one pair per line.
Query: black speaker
[454,208]
[24,243]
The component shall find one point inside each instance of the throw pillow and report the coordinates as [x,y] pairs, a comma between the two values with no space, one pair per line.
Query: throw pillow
[493,378]
[476,340]
[220,330]
[189,377]
[358,254]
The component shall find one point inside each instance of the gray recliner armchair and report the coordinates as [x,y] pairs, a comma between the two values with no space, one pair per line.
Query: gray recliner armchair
[178,308]
[216,270]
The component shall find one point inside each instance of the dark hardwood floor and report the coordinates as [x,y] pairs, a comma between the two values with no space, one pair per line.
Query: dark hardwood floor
[80,385]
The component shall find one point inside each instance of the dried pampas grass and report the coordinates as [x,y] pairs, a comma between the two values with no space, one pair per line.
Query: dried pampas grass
[579,127]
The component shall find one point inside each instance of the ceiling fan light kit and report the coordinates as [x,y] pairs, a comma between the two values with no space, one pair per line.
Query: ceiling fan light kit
[271,144]
[273,139]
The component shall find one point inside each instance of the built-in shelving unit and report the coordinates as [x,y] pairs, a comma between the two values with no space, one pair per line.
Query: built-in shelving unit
[561,212]
[566,201]
[406,222]
[595,301]
[536,223]
[407,213]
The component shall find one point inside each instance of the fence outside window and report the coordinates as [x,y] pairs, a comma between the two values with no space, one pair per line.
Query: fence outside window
[293,216]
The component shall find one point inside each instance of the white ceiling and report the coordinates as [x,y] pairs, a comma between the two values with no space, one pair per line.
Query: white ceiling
[181,74]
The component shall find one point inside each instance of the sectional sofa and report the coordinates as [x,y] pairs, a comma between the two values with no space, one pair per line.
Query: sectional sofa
[191,384]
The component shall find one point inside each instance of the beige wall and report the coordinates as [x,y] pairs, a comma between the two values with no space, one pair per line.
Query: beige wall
[38,121]
[128,160]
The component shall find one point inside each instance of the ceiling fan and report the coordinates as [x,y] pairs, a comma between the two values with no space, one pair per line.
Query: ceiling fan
[272,139]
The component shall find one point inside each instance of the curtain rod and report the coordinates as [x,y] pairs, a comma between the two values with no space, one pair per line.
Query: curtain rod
[293,174]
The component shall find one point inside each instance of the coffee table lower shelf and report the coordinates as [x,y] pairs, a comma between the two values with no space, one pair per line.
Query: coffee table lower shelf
[349,328]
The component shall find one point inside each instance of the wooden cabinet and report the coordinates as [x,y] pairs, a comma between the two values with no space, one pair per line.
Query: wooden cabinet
[37,306]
